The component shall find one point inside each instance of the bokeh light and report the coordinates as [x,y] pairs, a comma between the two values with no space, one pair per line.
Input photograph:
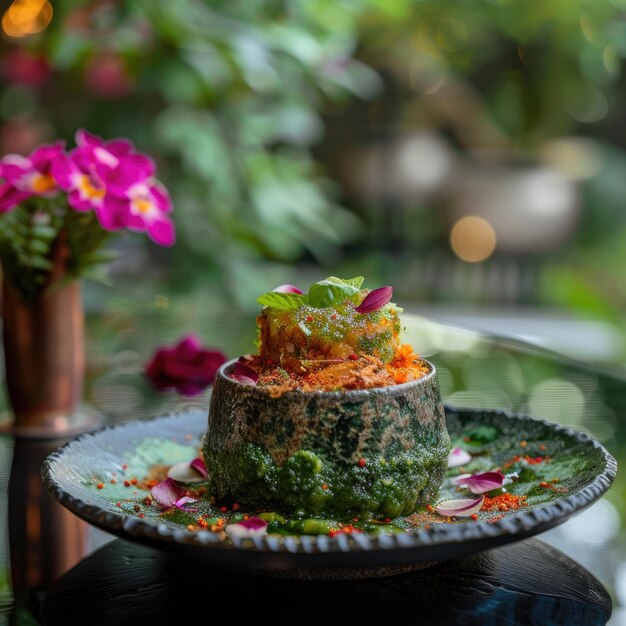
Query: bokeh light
[473,239]
[26,17]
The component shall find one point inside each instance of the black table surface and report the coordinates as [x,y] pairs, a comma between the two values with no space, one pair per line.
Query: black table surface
[528,583]
[47,574]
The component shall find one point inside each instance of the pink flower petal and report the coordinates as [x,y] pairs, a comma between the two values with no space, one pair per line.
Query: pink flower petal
[162,231]
[480,483]
[198,464]
[184,473]
[460,508]
[244,374]
[180,503]
[254,523]
[375,300]
[167,492]
[187,367]
[252,527]
[10,197]
[458,457]
[287,289]
[188,346]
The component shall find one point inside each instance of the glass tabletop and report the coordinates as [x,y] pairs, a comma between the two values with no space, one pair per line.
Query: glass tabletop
[40,541]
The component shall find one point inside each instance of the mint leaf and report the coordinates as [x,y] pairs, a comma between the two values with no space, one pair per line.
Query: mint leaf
[332,291]
[285,301]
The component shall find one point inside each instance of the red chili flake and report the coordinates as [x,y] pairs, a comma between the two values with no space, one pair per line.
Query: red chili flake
[223,509]
[535,460]
[125,466]
[324,487]
[236,506]
[133,481]
[113,481]
[362,462]
[544,484]
[430,508]
[118,504]
[387,520]
[504,502]
[269,362]
[355,519]
[353,357]
[427,526]
[142,515]
[309,318]
[100,485]
[474,516]
[333,531]
[127,483]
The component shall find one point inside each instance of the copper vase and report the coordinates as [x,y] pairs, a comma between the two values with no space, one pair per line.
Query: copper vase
[44,356]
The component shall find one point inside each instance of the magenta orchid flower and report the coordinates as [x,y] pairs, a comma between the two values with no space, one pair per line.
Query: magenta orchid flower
[107,177]
[118,183]
[148,204]
[132,189]
[29,176]
[186,367]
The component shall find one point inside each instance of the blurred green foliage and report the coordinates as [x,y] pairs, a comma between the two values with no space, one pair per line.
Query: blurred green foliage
[232,98]
[228,95]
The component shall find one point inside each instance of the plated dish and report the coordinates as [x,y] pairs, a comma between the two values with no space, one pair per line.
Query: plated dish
[129,451]
[331,439]
[334,418]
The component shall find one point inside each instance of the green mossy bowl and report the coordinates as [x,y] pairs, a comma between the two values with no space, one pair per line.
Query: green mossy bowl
[379,452]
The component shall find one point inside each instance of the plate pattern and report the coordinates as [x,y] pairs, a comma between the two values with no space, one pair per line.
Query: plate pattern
[64,470]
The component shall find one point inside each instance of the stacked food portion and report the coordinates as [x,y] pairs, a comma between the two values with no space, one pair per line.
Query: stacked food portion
[334,415]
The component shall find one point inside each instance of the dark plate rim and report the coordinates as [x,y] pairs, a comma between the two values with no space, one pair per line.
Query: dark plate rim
[520,524]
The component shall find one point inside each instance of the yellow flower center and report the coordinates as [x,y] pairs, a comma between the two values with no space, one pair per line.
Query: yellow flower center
[42,183]
[89,189]
[142,205]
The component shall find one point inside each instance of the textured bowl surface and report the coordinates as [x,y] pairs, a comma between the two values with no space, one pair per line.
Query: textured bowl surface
[586,471]
[279,452]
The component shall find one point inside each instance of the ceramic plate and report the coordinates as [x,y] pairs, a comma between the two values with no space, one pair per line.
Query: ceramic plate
[560,471]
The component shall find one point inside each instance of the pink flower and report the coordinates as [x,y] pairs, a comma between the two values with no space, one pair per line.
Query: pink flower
[23,67]
[186,367]
[147,203]
[29,176]
[119,184]
[107,77]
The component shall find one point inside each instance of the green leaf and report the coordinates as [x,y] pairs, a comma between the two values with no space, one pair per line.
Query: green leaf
[332,291]
[42,231]
[285,301]
[38,247]
[357,281]
[40,263]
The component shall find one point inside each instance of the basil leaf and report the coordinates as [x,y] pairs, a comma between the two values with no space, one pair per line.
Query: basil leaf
[285,301]
[357,281]
[332,291]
